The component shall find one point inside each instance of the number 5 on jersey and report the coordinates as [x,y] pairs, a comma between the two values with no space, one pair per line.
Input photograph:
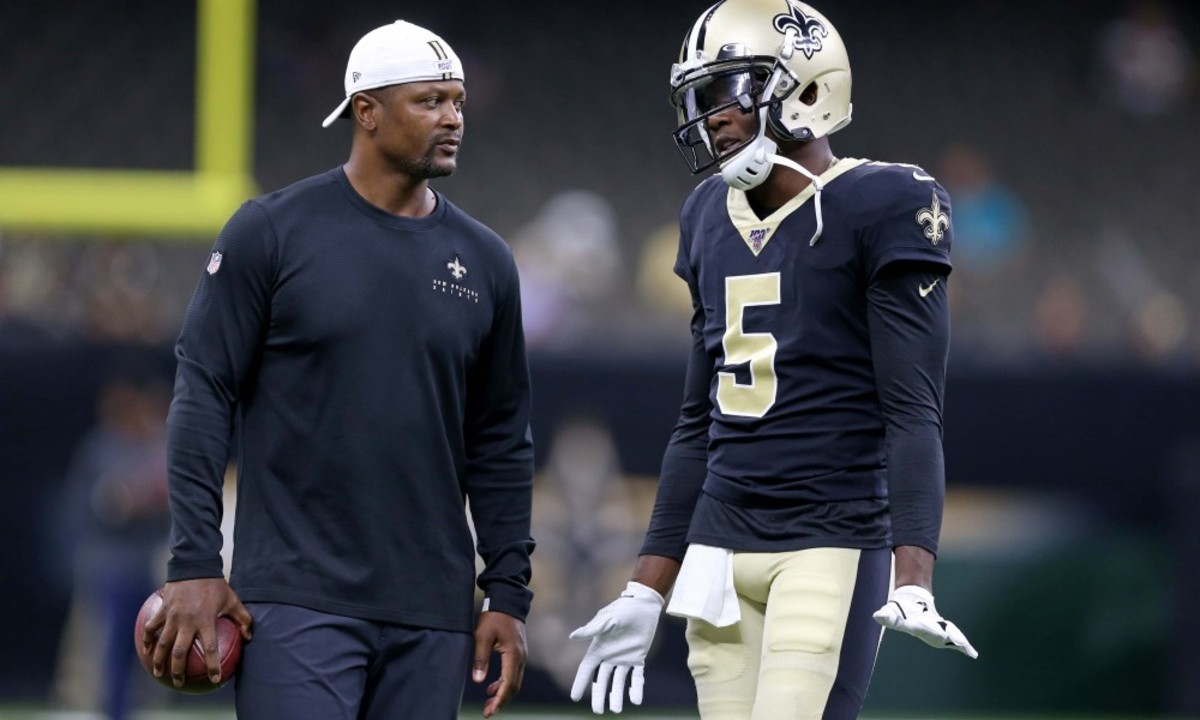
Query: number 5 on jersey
[758,349]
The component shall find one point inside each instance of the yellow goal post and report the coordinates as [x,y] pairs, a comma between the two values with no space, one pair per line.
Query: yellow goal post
[184,205]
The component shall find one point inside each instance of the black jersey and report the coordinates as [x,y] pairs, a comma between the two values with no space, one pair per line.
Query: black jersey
[376,365]
[784,397]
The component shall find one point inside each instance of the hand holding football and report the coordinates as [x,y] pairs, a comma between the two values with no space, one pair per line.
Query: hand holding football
[195,682]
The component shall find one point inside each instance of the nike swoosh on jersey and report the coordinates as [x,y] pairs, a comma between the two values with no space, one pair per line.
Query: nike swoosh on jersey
[917,175]
[926,290]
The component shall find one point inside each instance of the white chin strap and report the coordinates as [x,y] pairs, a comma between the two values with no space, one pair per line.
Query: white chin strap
[749,168]
[751,165]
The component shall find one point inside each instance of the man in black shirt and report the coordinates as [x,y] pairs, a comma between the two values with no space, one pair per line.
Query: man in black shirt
[366,334]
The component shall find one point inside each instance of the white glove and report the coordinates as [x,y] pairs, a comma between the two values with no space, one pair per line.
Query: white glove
[910,609]
[621,633]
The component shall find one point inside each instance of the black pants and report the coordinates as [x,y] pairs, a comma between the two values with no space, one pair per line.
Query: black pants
[309,665]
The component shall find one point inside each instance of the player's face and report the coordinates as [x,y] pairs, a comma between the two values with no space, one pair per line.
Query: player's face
[420,127]
[735,122]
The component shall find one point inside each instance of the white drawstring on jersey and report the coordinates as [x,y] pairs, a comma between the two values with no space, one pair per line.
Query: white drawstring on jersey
[818,186]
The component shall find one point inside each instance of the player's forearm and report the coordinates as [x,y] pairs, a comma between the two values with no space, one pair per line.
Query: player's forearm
[914,566]
[684,468]
[685,462]
[657,572]
[916,482]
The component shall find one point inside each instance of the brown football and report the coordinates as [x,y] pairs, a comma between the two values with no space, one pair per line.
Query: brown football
[195,682]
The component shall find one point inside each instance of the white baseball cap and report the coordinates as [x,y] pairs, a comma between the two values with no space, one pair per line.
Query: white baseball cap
[394,54]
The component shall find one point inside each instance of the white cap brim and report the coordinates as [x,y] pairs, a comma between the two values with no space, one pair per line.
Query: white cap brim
[337,113]
[395,54]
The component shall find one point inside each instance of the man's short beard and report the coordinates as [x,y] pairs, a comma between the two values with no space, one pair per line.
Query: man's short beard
[423,168]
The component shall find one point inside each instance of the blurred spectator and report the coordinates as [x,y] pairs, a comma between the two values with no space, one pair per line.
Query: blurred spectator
[1154,322]
[31,287]
[663,295]
[119,292]
[991,225]
[1145,62]
[1160,327]
[116,511]
[1059,318]
[991,238]
[16,328]
[101,289]
[570,264]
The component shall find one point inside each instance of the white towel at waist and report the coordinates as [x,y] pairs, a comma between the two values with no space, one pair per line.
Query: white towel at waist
[704,588]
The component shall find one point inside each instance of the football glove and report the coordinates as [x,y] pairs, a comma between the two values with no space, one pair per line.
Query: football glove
[910,609]
[621,633]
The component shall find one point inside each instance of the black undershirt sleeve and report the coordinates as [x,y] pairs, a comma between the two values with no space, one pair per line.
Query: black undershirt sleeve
[909,323]
[685,461]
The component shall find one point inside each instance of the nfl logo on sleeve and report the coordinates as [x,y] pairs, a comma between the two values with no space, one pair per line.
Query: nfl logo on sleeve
[214,263]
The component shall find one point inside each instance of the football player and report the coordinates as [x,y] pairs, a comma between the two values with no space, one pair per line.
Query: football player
[800,500]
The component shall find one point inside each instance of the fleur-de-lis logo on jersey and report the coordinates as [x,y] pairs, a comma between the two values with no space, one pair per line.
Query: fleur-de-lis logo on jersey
[809,30]
[457,269]
[938,221]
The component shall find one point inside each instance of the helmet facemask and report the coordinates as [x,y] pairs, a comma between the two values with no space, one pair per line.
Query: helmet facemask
[714,88]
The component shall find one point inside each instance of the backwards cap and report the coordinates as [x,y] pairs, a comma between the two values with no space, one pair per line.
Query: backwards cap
[394,54]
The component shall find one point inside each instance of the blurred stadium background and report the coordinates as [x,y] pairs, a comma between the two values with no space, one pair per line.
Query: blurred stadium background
[1067,133]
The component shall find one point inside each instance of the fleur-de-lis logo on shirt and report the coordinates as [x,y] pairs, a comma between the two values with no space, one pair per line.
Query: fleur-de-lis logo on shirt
[456,268]
[938,221]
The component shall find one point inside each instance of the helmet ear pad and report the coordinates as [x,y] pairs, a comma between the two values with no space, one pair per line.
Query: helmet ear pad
[821,108]
[776,127]
[775,122]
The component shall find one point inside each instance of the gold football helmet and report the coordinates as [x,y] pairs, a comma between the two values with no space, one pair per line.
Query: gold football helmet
[779,59]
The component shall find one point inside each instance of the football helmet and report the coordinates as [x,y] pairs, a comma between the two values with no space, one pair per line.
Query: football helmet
[779,59]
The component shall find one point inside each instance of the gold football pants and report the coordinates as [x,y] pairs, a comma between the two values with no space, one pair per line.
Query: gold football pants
[806,643]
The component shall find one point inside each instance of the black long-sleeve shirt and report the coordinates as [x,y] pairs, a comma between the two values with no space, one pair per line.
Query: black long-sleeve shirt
[377,369]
